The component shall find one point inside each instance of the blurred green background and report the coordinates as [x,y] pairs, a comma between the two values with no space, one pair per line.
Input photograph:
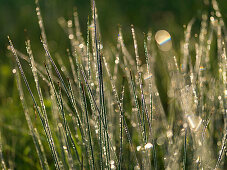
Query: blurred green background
[17,15]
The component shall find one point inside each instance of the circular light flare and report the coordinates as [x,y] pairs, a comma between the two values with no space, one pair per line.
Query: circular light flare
[163,40]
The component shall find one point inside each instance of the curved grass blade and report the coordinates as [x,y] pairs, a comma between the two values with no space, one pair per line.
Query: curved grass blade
[34,133]
[42,117]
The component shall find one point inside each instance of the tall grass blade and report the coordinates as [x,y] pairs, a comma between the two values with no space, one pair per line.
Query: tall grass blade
[34,133]
[42,117]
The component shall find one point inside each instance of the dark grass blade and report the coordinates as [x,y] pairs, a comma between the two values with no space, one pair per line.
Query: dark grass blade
[34,133]
[88,128]
[42,118]
[60,107]
[65,88]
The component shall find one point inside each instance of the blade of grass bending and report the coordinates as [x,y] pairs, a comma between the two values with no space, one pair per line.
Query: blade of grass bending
[3,164]
[65,88]
[60,107]
[34,133]
[88,127]
[34,72]
[40,69]
[42,118]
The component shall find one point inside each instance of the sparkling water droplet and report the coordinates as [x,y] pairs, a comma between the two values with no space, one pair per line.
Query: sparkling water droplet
[136,167]
[71,36]
[148,146]
[219,97]
[138,148]
[70,23]
[169,133]
[14,71]
[81,46]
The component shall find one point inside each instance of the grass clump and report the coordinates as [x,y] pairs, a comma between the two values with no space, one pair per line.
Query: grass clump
[108,109]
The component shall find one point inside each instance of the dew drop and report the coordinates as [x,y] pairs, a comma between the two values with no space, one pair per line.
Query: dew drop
[14,71]
[71,36]
[219,97]
[156,94]
[59,125]
[148,146]
[169,133]
[70,23]
[116,61]
[81,46]
[138,148]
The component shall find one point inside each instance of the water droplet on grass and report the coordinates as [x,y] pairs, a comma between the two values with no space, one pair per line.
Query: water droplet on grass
[169,133]
[148,146]
[138,148]
[14,71]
